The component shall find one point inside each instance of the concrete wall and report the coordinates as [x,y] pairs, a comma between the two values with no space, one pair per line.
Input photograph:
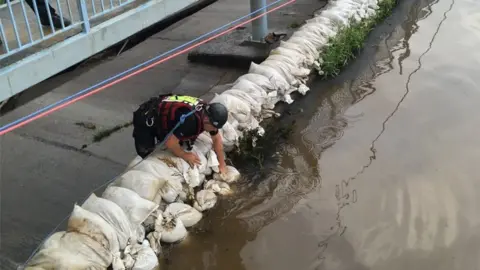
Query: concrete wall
[42,65]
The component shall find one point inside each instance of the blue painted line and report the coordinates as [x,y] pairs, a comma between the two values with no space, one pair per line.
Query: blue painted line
[131,69]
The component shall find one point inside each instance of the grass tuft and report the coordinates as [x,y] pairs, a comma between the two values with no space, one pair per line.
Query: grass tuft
[350,40]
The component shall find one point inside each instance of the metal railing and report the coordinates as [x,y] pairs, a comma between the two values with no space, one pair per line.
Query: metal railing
[22,27]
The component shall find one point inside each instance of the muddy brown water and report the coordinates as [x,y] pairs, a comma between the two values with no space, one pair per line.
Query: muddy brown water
[382,169]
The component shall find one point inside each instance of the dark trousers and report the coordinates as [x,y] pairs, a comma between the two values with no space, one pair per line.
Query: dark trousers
[42,9]
[143,135]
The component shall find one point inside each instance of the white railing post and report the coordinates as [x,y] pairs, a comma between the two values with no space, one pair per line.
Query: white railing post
[82,10]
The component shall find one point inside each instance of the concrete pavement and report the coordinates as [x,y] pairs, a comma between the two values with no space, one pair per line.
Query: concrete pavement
[51,163]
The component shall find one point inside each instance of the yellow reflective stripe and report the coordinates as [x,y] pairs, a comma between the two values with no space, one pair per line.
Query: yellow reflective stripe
[187,99]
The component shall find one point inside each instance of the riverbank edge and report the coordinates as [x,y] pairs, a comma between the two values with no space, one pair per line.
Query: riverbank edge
[342,49]
[252,136]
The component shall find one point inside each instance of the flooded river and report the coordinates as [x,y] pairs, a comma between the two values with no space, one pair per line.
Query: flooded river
[381,171]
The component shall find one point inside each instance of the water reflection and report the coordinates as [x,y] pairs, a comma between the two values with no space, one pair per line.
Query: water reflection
[403,210]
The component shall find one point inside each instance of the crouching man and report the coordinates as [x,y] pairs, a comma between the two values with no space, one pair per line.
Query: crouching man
[157,117]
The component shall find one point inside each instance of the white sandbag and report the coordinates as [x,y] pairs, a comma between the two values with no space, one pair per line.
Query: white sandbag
[305,61]
[203,167]
[255,106]
[172,229]
[204,143]
[154,241]
[237,108]
[94,226]
[314,35]
[218,187]
[213,160]
[134,162]
[156,168]
[251,124]
[258,79]
[143,183]
[311,54]
[114,216]
[146,259]
[232,175]
[205,199]
[186,194]
[187,214]
[135,207]
[297,69]
[167,162]
[276,78]
[170,190]
[283,69]
[71,250]
[250,87]
[230,137]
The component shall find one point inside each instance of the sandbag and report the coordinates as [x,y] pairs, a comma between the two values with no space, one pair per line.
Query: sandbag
[184,212]
[71,250]
[283,69]
[145,184]
[213,160]
[204,143]
[203,167]
[134,162]
[255,106]
[275,78]
[94,226]
[146,259]
[232,175]
[135,207]
[218,187]
[114,216]
[230,137]
[205,199]
[237,108]
[171,228]
[250,87]
[171,190]
[155,167]
[258,79]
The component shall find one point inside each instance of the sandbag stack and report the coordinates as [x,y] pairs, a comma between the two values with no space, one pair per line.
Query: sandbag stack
[157,199]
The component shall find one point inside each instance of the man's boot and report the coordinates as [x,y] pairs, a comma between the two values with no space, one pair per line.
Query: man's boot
[57,23]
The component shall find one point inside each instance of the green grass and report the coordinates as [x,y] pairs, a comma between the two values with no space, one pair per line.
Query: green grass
[247,153]
[350,40]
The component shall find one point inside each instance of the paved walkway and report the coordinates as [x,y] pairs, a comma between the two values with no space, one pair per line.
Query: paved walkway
[49,164]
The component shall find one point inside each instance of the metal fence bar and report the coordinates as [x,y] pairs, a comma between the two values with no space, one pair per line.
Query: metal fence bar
[26,21]
[93,7]
[60,13]
[51,21]
[37,15]
[47,4]
[82,9]
[69,10]
[14,23]
[4,39]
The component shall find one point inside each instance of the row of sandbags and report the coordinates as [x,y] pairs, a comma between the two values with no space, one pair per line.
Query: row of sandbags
[157,199]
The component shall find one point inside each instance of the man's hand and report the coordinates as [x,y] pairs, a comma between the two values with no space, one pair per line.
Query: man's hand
[191,158]
[222,167]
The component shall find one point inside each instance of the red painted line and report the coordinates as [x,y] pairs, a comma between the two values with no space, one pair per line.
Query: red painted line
[141,70]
